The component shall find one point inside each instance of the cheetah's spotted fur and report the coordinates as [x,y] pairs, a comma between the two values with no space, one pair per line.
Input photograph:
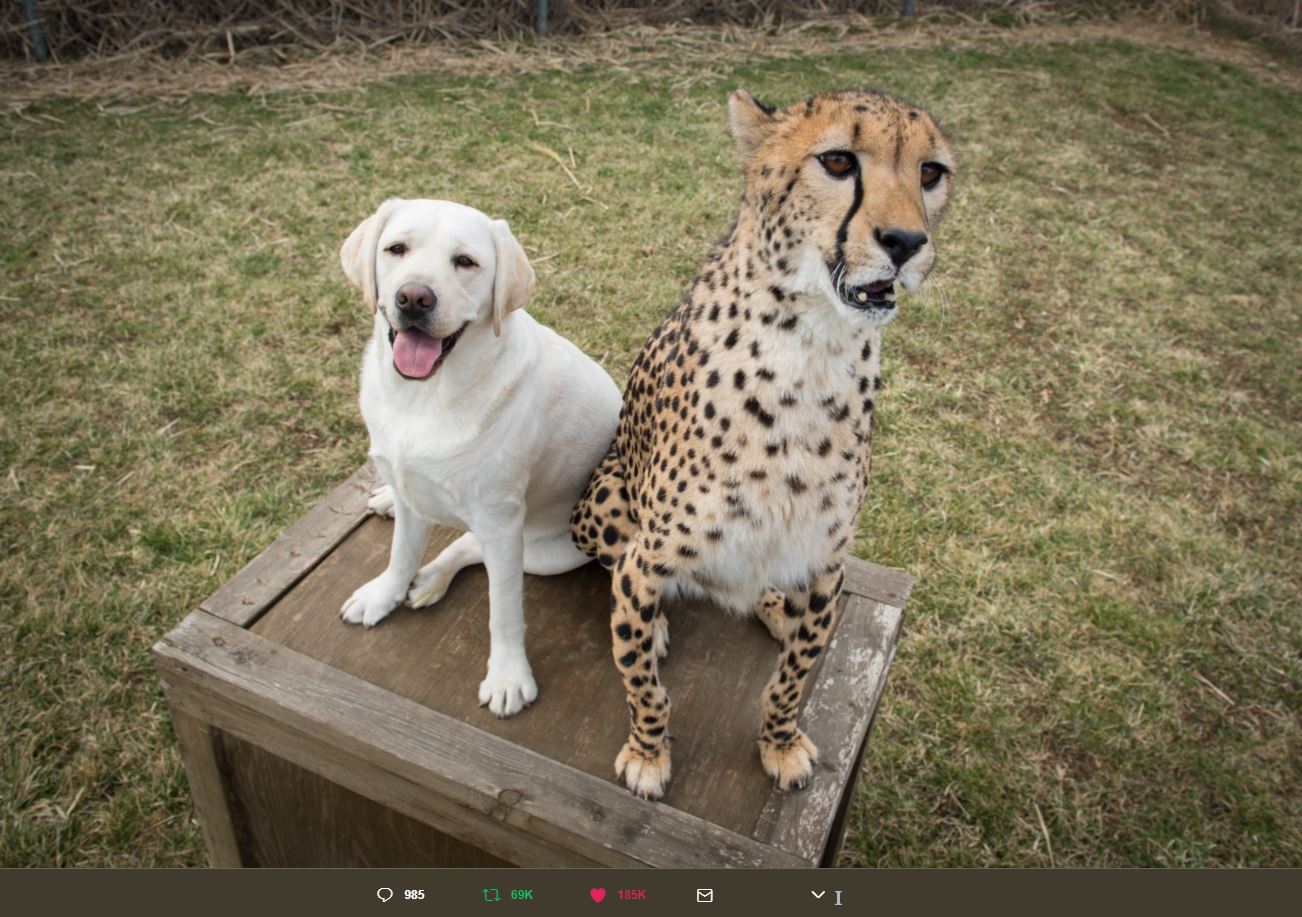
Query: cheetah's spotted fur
[741,458]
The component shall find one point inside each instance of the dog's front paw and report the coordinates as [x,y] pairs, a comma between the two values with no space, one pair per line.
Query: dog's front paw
[645,773]
[509,687]
[371,603]
[381,501]
[790,765]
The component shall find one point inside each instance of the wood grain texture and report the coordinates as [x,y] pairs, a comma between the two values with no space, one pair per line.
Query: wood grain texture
[252,590]
[836,836]
[481,788]
[287,816]
[881,584]
[716,671]
[208,789]
[367,776]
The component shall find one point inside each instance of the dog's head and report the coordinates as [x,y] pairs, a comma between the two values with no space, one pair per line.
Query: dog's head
[848,187]
[432,268]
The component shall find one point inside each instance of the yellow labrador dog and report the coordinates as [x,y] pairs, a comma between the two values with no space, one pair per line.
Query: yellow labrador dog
[480,418]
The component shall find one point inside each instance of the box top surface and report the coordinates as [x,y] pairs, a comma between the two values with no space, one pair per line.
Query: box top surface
[715,672]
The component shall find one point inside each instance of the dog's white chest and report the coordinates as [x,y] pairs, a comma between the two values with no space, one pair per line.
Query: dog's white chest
[420,482]
[416,456]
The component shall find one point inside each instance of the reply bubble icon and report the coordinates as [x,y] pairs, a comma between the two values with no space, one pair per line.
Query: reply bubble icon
[384,894]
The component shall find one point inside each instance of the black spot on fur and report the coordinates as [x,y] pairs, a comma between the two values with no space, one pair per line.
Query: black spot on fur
[753,406]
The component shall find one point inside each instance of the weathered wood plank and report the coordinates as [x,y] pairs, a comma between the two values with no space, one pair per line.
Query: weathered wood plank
[366,777]
[881,584]
[837,835]
[207,789]
[478,787]
[436,657]
[836,716]
[290,817]
[273,572]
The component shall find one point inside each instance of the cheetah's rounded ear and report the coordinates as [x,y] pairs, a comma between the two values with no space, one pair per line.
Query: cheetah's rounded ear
[751,121]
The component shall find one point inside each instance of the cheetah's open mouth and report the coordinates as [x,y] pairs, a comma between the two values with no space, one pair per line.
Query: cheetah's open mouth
[870,296]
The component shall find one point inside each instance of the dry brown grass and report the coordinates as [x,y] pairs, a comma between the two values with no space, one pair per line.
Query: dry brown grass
[150,78]
[96,28]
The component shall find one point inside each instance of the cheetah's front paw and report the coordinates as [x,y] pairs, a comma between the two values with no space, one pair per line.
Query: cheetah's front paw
[790,765]
[645,773]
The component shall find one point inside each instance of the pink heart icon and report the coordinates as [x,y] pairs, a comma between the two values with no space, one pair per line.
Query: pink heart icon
[598,894]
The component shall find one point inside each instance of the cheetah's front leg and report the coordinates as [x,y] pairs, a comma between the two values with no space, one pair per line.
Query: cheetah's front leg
[809,614]
[644,760]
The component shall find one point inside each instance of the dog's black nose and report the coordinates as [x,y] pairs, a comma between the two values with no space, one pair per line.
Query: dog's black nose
[900,244]
[415,298]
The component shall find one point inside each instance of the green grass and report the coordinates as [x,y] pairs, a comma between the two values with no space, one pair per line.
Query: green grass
[1087,447]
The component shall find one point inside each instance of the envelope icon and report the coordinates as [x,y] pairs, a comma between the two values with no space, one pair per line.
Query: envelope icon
[705,896]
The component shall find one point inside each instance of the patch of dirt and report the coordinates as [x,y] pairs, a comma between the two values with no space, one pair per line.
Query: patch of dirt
[680,49]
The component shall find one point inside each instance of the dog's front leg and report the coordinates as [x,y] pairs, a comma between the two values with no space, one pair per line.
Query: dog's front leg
[509,687]
[372,603]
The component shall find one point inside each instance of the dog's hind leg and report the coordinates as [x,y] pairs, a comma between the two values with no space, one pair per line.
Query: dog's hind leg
[381,501]
[542,557]
[432,582]
[552,554]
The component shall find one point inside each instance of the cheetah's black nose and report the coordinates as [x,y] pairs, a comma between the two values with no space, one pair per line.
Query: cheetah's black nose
[900,244]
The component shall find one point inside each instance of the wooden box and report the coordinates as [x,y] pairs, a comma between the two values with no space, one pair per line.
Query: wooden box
[309,742]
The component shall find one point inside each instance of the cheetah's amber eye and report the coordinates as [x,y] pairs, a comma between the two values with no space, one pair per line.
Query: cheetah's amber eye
[838,163]
[931,173]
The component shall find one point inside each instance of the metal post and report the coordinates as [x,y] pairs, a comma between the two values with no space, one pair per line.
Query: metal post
[540,18]
[34,30]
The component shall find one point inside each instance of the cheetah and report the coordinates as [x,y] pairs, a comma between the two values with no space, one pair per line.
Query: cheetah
[741,457]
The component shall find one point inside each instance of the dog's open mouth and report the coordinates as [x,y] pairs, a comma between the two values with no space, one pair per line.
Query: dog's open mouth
[878,295]
[416,354]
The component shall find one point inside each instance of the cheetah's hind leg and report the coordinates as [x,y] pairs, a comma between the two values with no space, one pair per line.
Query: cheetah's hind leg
[602,524]
[771,610]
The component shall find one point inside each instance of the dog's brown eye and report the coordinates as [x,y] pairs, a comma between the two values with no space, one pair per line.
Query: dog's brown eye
[397,248]
[838,163]
[464,261]
[931,173]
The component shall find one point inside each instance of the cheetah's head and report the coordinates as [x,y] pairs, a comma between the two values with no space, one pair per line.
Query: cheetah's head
[847,188]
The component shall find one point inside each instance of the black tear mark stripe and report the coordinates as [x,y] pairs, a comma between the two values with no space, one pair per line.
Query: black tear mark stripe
[899,139]
[844,230]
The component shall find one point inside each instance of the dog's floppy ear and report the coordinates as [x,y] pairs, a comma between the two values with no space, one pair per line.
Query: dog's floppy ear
[359,252]
[751,121]
[513,281]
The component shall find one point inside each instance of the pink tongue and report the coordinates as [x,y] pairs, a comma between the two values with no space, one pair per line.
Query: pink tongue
[415,353]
